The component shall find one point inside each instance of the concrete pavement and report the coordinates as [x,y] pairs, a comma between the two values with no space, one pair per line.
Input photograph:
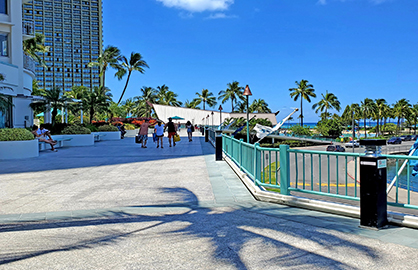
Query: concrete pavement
[118,206]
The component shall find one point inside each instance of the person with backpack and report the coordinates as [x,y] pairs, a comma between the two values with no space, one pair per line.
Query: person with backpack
[190,129]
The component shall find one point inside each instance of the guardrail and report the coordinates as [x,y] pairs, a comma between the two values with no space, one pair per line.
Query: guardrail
[321,173]
[28,28]
[28,63]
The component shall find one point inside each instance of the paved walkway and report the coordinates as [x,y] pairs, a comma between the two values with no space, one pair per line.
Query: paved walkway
[117,206]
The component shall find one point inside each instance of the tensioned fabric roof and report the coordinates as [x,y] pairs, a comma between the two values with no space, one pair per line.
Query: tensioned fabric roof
[204,117]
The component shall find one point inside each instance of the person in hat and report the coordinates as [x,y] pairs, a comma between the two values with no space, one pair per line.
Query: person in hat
[159,131]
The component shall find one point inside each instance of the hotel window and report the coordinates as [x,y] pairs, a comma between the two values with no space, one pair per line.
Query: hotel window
[3,45]
[3,6]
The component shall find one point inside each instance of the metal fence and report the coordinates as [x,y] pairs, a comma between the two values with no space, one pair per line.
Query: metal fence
[321,173]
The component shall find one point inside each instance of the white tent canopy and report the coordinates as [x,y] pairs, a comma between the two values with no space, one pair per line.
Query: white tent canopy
[204,117]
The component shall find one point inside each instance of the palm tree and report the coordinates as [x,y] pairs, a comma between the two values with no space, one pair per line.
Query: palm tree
[109,57]
[129,106]
[329,101]
[34,47]
[259,106]
[379,112]
[367,109]
[96,100]
[414,116]
[149,96]
[233,92]
[241,106]
[53,98]
[170,98]
[135,63]
[400,110]
[191,104]
[205,97]
[304,90]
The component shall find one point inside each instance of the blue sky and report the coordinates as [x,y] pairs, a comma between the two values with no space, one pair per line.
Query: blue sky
[355,49]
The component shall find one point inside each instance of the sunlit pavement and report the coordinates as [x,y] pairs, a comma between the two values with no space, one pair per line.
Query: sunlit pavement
[118,206]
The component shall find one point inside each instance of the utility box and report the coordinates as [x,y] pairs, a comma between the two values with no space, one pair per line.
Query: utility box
[373,178]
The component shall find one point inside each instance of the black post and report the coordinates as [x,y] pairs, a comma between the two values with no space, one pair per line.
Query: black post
[206,134]
[373,177]
[218,143]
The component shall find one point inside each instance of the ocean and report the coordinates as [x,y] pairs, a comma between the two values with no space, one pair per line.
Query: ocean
[313,124]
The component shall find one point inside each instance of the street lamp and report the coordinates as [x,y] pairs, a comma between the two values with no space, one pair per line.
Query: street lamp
[220,115]
[247,93]
[212,118]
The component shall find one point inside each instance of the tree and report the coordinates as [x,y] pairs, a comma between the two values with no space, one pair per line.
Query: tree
[97,100]
[329,101]
[135,63]
[330,127]
[53,98]
[241,106]
[379,112]
[4,100]
[367,109]
[34,47]
[304,90]
[400,110]
[109,57]
[259,106]
[148,96]
[129,106]
[205,97]
[233,92]
[191,104]
[414,117]
[167,97]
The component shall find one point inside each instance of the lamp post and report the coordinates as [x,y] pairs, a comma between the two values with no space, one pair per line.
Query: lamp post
[212,118]
[247,93]
[220,115]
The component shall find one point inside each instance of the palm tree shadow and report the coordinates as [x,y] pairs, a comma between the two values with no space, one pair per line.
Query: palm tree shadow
[235,234]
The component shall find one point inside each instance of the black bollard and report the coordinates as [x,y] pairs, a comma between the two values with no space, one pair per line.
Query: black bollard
[206,134]
[218,143]
[373,177]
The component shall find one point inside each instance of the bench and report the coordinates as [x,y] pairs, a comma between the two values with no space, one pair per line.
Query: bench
[60,143]
[98,137]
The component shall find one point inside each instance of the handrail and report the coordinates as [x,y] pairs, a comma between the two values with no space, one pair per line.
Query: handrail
[399,172]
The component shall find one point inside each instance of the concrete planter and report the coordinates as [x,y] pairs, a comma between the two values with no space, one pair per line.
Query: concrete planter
[77,139]
[131,133]
[109,135]
[19,149]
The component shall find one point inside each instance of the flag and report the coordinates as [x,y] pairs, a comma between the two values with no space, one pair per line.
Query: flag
[230,124]
[262,131]
[414,163]
[276,127]
[239,129]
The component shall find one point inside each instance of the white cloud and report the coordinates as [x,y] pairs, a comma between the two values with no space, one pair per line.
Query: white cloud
[198,5]
[322,2]
[221,16]
[377,2]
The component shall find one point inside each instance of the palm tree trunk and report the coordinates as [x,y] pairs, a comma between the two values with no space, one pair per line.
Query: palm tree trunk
[126,85]
[398,126]
[204,104]
[301,113]
[232,104]
[365,130]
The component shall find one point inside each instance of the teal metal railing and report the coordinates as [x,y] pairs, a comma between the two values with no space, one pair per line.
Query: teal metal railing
[320,173]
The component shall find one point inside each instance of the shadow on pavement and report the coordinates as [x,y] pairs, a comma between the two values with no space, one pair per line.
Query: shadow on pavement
[278,240]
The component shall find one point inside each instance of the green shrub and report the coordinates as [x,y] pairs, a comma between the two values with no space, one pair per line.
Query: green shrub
[15,134]
[92,128]
[129,127]
[76,130]
[108,128]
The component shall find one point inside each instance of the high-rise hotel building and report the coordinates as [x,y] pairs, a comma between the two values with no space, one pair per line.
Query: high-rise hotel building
[73,31]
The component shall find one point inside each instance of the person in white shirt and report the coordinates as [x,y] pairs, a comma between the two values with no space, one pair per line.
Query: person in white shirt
[44,132]
[159,131]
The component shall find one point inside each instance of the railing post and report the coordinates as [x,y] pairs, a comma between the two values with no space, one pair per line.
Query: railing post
[255,161]
[240,153]
[218,144]
[284,169]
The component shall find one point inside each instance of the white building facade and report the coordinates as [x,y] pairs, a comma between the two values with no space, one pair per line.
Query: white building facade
[17,69]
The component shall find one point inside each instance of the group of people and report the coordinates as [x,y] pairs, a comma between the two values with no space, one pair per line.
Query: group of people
[43,135]
[159,130]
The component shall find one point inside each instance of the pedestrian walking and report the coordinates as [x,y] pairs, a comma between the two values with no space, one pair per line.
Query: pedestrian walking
[159,132]
[143,133]
[189,128]
[171,129]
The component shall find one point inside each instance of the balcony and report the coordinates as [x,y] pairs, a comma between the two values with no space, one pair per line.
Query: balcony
[28,63]
[28,29]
